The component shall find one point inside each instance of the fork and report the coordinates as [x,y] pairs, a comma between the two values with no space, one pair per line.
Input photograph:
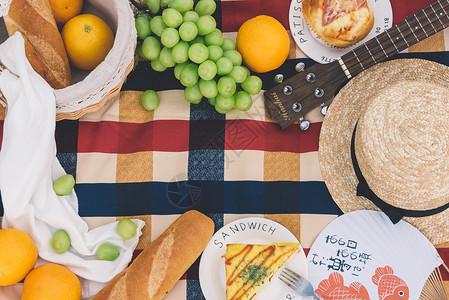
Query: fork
[298,283]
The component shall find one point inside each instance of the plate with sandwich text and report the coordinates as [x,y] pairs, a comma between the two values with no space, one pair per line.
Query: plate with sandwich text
[316,49]
[249,231]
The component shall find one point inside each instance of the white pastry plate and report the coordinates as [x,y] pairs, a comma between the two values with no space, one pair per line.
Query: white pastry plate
[212,273]
[316,49]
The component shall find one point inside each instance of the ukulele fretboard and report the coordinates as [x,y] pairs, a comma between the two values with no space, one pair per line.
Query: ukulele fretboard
[401,36]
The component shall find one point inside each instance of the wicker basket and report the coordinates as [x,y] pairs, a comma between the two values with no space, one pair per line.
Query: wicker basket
[89,91]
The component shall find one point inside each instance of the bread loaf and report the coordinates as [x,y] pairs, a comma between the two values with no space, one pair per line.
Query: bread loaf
[160,266]
[44,47]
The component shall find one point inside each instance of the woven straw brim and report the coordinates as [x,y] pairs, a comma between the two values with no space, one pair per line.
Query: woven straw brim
[338,126]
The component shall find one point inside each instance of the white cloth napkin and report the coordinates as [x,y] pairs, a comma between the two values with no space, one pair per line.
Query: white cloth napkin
[28,168]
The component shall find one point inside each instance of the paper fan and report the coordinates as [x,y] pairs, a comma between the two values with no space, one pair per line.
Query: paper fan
[363,255]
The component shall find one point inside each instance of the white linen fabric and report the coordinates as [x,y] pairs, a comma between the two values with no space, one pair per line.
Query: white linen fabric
[28,168]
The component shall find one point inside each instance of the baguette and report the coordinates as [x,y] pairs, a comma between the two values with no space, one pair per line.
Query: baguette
[160,265]
[44,47]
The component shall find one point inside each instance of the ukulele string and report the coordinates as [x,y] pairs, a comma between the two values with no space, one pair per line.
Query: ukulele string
[365,54]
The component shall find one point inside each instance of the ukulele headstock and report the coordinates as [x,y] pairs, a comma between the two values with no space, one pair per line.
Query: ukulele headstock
[294,97]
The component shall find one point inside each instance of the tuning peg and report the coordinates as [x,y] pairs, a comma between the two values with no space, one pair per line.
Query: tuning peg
[303,124]
[324,108]
[278,78]
[300,67]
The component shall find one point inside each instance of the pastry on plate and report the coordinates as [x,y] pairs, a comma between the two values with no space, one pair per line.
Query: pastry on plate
[249,267]
[339,23]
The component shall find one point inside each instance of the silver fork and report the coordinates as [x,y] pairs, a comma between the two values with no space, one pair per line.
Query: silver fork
[298,283]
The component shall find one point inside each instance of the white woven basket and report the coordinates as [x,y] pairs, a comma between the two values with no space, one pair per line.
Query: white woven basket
[89,91]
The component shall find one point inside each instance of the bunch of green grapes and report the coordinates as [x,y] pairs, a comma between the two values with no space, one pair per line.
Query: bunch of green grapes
[183,36]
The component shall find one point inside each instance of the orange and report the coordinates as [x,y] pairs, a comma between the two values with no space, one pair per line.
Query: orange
[18,255]
[51,282]
[87,39]
[263,43]
[64,10]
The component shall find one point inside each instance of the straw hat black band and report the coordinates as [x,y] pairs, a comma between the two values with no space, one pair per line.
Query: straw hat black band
[395,214]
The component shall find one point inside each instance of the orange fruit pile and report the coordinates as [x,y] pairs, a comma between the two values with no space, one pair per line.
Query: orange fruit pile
[18,255]
[263,43]
[64,10]
[51,282]
[87,39]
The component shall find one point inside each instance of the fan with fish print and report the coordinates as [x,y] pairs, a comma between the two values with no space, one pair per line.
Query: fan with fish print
[362,255]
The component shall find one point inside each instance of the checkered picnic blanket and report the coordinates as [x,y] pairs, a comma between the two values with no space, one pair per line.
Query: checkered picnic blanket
[157,165]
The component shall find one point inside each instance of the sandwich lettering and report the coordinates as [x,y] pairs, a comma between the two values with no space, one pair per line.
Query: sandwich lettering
[241,227]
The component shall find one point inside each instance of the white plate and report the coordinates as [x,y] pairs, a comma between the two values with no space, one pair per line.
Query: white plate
[212,272]
[316,49]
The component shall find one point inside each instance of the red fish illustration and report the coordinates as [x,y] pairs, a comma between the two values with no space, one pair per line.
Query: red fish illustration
[389,286]
[334,289]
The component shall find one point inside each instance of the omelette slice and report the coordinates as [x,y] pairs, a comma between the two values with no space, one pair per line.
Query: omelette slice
[249,267]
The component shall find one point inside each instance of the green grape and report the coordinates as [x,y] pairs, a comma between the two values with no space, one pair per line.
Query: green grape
[142,27]
[64,185]
[180,52]
[181,5]
[226,86]
[205,7]
[149,100]
[188,31]
[107,251]
[207,70]
[211,101]
[238,73]
[215,52]
[165,3]
[151,47]
[178,68]
[196,102]
[165,58]
[153,5]
[198,40]
[214,38]
[248,72]
[208,88]
[228,44]
[190,16]
[234,56]
[198,53]
[170,37]
[157,66]
[172,17]
[147,16]
[220,110]
[225,103]
[140,52]
[206,24]
[189,75]
[252,85]
[126,228]
[157,25]
[193,93]
[224,66]
[243,101]
[60,241]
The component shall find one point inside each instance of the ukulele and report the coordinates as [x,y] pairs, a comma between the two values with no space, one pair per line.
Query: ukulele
[293,98]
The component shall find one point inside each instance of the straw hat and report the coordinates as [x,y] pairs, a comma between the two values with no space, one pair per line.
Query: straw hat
[396,116]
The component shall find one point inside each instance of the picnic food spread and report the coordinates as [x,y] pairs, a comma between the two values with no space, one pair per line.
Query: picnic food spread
[191,148]
[250,267]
